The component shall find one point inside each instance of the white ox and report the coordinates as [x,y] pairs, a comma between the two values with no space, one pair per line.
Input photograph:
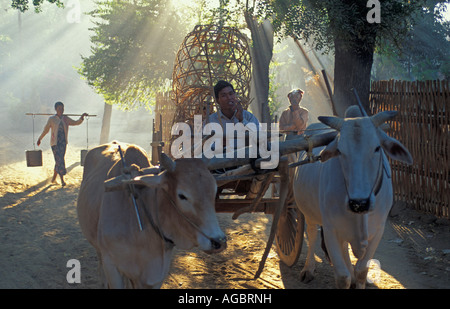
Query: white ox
[349,194]
[176,209]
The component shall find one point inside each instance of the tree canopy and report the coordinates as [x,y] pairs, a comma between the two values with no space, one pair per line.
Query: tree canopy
[134,46]
[425,51]
[322,22]
[344,27]
[24,5]
[134,42]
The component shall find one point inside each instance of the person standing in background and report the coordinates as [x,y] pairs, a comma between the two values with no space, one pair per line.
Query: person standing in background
[293,122]
[59,125]
[295,118]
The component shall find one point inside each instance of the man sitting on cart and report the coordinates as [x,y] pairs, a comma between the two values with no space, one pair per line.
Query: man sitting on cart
[231,113]
[231,110]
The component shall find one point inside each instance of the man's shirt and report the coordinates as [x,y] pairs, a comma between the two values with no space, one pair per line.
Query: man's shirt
[221,119]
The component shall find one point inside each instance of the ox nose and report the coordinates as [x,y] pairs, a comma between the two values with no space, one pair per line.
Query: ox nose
[218,244]
[359,206]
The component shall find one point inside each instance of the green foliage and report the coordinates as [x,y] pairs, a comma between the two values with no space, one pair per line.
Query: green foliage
[426,49]
[273,101]
[411,41]
[228,13]
[134,46]
[321,22]
[23,5]
[275,69]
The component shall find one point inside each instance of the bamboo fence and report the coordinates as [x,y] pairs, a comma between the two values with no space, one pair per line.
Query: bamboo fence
[423,127]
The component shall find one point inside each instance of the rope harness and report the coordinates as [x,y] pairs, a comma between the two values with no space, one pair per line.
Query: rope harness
[359,208]
[311,158]
[154,220]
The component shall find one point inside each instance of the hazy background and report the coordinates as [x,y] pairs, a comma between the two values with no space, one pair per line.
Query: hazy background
[39,54]
[39,69]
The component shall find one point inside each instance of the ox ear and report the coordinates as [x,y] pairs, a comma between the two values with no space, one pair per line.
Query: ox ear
[167,162]
[330,151]
[394,149]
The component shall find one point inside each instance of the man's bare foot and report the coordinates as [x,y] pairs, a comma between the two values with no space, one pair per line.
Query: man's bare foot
[63,183]
[54,177]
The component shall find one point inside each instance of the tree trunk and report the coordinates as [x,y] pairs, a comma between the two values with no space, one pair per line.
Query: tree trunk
[351,70]
[106,124]
[261,51]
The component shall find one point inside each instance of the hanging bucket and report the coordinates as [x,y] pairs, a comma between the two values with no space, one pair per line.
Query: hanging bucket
[83,156]
[34,158]
[85,151]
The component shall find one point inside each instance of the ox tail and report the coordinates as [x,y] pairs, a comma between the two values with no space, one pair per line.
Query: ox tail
[324,246]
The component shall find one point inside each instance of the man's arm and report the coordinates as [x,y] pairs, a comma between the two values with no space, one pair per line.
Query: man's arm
[284,123]
[44,132]
[72,122]
[300,118]
[249,118]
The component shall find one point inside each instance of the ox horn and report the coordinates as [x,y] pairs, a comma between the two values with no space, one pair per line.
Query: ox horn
[382,117]
[331,121]
[167,162]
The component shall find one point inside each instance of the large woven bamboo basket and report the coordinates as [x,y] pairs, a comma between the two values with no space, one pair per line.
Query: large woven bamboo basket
[208,54]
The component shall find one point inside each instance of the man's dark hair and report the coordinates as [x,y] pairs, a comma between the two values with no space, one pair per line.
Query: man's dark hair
[58,104]
[221,84]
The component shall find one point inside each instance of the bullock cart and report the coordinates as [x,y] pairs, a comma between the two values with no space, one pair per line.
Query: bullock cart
[243,187]
[210,53]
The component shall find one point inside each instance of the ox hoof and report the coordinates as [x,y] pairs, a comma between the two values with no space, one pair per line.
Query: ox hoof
[343,282]
[306,276]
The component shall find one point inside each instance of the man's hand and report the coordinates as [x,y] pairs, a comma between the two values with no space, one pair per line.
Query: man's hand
[294,107]
[240,112]
[299,112]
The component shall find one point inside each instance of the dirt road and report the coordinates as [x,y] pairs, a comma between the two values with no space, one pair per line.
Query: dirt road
[39,233]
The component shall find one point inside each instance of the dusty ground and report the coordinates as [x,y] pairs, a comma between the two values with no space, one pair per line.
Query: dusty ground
[39,233]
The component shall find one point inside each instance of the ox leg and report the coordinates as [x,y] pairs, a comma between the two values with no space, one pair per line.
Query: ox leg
[338,252]
[348,262]
[112,274]
[101,272]
[307,273]
[361,268]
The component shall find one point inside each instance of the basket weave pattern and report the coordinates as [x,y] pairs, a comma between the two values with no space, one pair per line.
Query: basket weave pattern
[208,54]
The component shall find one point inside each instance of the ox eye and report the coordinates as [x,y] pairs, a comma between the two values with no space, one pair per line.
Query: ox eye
[182,196]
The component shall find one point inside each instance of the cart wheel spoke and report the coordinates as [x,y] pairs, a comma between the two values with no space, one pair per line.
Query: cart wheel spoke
[289,237]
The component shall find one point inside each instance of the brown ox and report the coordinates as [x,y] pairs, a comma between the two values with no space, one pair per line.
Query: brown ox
[176,209]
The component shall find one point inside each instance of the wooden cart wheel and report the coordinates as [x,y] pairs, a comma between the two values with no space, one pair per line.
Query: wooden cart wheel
[289,236]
